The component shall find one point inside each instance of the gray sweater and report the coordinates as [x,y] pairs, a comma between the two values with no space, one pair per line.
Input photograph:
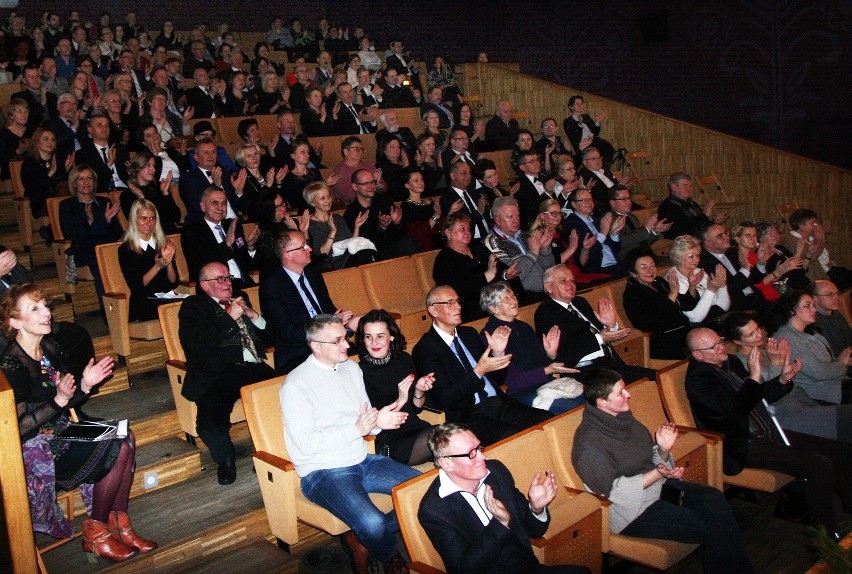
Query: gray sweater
[821,375]
[610,454]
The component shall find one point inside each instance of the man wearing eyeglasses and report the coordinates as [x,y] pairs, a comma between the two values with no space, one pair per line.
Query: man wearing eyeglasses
[602,254]
[292,295]
[224,341]
[384,219]
[475,517]
[463,368]
[531,191]
[829,320]
[725,397]
[327,414]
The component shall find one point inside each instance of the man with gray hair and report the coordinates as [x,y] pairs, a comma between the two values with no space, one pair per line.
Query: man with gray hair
[685,215]
[327,414]
[392,129]
[66,125]
[474,515]
[501,131]
[530,255]
[829,320]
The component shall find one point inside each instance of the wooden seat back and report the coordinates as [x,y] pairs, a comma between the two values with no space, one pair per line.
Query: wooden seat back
[560,431]
[423,263]
[394,285]
[263,414]
[671,383]
[347,290]
[111,274]
[503,162]
[406,503]
[170,324]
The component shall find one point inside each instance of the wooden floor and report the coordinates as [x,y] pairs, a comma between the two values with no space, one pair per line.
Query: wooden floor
[204,527]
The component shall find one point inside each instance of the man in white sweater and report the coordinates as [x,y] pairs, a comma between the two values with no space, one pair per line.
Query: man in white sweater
[326,416]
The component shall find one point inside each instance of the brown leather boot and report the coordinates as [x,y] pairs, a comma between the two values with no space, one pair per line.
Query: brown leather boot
[119,524]
[99,541]
[360,553]
[396,565]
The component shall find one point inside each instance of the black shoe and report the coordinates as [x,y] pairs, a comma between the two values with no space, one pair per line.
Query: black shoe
[227,472]
[45,233]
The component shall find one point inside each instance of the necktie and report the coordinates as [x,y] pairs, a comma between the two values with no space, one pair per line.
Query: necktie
[104,154]
[459,350]
[304,286]
[226,303]
[594,330]
[476,217]
[457,347]
[759,420]
[90,217]
[245,337]
[221,231]
[207,173]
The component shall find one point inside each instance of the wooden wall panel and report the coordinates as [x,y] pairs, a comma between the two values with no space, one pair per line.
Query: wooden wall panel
[760,176]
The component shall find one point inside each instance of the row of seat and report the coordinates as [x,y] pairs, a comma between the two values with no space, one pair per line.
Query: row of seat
[579,529]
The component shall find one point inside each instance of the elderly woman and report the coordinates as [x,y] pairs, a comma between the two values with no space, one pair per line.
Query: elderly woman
[169,125]
[465,266]
[787,274]
[147,261]
[15,136]
[42,171]
[388,377]
[114,104]
[37,370]
[86,221]
[142,184]
[532,358]
[752,253]
[652,305]
[327,228]
[366,93]
[824,376]
[701,297]
[795,411]
[249,182]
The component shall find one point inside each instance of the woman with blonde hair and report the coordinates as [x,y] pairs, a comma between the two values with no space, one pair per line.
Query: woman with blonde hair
[250,182]
[147,261]
[701,296]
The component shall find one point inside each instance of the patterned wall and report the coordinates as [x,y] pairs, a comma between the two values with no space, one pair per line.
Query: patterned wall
[773,71]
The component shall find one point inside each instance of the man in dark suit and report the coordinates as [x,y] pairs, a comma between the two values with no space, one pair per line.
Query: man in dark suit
[726,397]
[634,235]
[223,339]
[206,173]
[596,179]
[435,102]
[67,126]
[685,215]
[461,364]
[215,238]
[197,60]
[324,74]
[286,136]
[459,150]
[586,334]
[531,191]
[204,98]
[292,296]
[395,95]
[717,250]
[602,254]
[582,131]
[32,93]
[474,202]
[350,117]
[383,223]
[455,526]
[108,161]
[402,134]
[501,131]
[397,60]
[549,138]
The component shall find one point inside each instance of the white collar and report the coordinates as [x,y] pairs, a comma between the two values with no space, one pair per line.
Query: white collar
[448,487]
[145,244]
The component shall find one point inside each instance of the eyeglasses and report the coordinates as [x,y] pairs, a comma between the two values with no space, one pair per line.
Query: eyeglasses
[337,341]
[304,246]
[355,148]
[533,160]
[584,200]
[568,169]
[721,341]
[558,214]
[281,205]
[471,455]
[221,279]
[592,158]
[448,303]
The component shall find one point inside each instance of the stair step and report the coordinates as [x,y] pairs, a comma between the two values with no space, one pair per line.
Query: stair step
[157,427]
[254,556]
[173,460]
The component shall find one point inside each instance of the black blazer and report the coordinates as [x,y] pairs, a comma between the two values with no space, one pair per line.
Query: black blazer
[75,227]
[88,155]
[398,97]
[393,62]
[345,123]
[577,340]
[449,197]
[65,136]
[599,191]
[685,216]
[528,200]
[447,157]
[210,341]
[465,545]
[595,262]
[717,407]
[312,126]
[737,282]
[287,315]
[455,387]
[200,247]
[574,132]
[191,187]
[205,104]
[18,274]
[39,114]
[405,137]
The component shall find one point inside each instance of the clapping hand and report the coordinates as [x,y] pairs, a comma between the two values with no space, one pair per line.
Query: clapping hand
[550,341]
[94,373]
[403,387]
[498,340]
[542,491]
[666,436]
[111,211]
[495,507]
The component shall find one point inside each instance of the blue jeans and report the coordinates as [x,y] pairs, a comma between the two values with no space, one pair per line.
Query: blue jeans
[344,493]
[704,518]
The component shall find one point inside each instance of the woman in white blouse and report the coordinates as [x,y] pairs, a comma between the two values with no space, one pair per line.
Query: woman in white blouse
[701,296]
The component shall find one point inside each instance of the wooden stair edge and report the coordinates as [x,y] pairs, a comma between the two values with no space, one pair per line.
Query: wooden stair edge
[200,547]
